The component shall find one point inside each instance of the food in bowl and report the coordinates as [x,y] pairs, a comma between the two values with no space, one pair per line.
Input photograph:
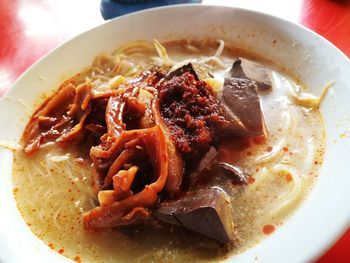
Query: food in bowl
[185,150]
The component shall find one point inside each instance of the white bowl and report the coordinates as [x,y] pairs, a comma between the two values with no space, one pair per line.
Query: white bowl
[317,223]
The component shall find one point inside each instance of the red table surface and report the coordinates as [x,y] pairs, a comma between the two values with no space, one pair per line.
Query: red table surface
[31,28]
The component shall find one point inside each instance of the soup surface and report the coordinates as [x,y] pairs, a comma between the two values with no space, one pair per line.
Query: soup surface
[54,187]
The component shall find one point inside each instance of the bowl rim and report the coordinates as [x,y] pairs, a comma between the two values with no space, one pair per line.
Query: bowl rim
[175,6]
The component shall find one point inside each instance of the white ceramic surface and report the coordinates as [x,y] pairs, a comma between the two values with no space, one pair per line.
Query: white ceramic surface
[320,219]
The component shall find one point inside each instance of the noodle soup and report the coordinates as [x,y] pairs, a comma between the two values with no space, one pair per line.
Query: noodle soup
[55,187]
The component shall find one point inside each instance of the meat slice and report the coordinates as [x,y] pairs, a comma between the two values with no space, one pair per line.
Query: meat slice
[202,173]
[199,72]
[206,211]
[214,165]
[135,206]
[176,166]
[247,69]
[236,174]
[242,104]
[60,118]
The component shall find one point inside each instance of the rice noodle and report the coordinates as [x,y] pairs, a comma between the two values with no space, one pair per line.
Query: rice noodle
[275,152]
[58,158]
[192,48]
[220,49]
[288,199]
[308,100]
[290,125]
[132,47]
[259,177]
[290,117]
[55,216]
[310,156]
[213,61]
[162,53]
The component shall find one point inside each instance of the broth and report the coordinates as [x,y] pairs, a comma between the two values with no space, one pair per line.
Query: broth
[53,189]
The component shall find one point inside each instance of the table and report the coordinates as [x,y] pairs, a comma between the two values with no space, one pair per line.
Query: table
[31,28]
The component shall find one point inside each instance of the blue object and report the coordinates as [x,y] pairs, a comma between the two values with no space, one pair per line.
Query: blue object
[114,8]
